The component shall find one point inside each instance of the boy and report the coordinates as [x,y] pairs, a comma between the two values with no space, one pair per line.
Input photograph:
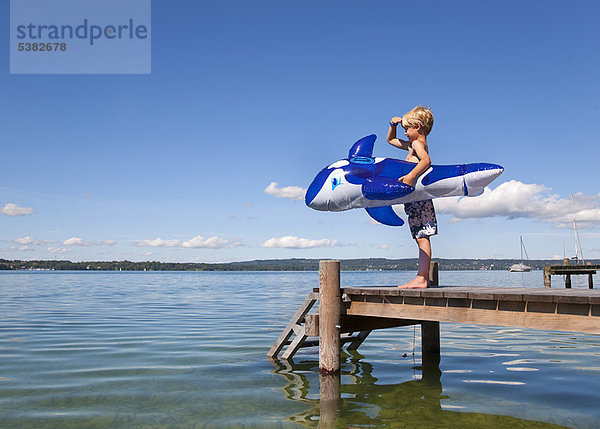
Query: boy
[417,125]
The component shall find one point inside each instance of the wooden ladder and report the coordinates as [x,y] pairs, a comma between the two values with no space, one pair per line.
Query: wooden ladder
[352,329]
[297,326]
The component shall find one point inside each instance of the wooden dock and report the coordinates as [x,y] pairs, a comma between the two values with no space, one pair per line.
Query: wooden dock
[568,271]
[349,314]
[576,310]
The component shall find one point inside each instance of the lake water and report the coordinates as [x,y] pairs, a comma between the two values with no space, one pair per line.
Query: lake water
[187,349]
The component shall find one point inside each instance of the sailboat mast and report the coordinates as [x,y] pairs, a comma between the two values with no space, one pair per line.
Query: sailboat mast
[578,244]
[523,249]
[578,249]
[521,242]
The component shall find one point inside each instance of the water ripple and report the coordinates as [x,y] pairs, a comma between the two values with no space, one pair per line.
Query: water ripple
[188,350]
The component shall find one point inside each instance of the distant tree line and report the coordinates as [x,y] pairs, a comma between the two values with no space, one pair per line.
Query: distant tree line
[373,264]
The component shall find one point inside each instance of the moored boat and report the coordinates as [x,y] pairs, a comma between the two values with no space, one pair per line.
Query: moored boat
[520,267]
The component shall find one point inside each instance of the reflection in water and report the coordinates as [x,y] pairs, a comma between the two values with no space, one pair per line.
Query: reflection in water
[329,399]
[354,399]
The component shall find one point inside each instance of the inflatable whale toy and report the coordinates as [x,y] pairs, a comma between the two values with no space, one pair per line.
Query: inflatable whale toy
[361,181]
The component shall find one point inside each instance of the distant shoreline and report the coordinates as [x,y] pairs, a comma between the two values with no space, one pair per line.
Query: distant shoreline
[294,264]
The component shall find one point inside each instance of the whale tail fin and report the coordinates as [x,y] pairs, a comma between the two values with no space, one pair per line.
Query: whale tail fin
[385,215]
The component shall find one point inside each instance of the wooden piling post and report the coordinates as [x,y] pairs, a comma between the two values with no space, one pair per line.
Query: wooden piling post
[430,331]
[329,400]
[329,317]
[547,276]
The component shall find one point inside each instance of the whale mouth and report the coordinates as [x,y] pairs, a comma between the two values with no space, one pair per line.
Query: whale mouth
[314,189]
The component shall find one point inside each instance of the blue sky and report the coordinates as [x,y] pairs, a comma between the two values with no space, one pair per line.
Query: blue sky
[173,165]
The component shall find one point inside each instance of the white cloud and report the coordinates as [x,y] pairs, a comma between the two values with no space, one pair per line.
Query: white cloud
[25,240]
[291,242]
[211,243]
[11,209]
[385,247]
[57,250]
[28,240]
[514,199]
[76,241]
[291,192]
[158,242]
[194,243]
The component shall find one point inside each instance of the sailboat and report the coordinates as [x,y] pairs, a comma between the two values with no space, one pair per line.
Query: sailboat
[578,258]
[520,267]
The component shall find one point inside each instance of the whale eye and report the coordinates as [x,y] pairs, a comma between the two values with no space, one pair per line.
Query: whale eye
[336,181]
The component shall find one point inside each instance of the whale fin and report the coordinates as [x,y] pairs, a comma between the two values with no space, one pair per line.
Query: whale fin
[476,193]
[385,188]
[363,149]
[385,215]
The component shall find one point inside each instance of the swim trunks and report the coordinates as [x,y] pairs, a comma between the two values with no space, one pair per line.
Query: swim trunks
[421,218]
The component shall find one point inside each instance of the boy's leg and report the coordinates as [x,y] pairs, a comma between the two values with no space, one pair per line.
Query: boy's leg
[421,281]
[423,224]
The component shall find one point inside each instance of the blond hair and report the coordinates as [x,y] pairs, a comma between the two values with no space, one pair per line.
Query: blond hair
[420,115]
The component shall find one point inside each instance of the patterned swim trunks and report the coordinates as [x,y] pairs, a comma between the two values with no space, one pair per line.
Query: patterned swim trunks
[421,218]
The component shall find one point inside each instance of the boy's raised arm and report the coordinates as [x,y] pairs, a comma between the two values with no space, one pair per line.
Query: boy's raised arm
[391,136]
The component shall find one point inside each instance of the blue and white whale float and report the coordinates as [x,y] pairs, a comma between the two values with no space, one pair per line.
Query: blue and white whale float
[362,181]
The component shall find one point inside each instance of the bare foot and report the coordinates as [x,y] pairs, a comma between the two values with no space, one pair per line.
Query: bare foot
[416,283]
